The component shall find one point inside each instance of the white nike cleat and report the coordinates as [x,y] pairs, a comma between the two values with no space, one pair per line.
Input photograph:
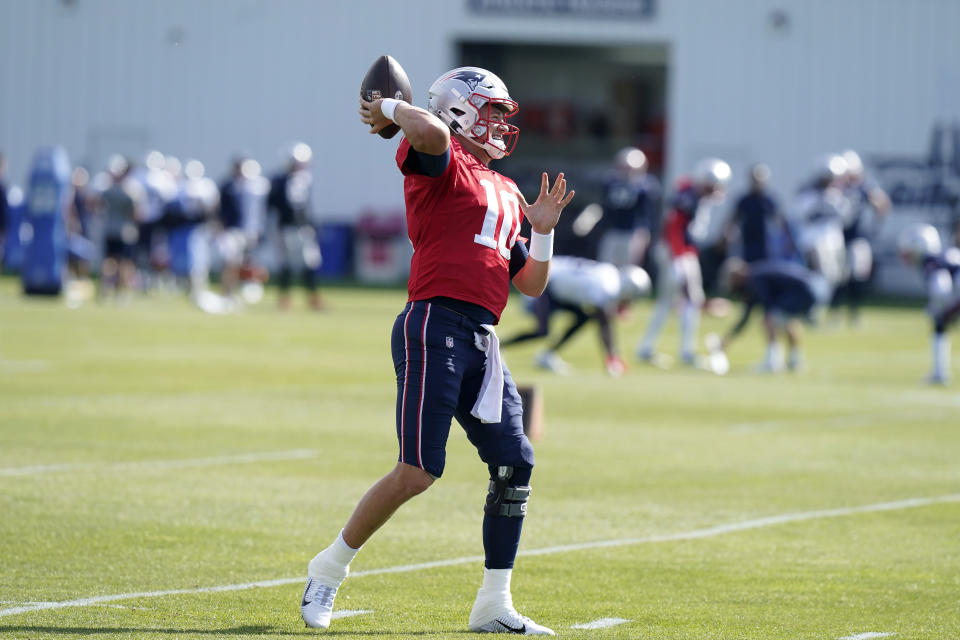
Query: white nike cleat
[316,608]
[510,621]
[494,613]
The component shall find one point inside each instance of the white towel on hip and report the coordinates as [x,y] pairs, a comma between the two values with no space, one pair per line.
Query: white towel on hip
[490,399]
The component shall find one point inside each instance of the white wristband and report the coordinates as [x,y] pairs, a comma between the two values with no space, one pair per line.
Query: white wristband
[541,246]
[388,106]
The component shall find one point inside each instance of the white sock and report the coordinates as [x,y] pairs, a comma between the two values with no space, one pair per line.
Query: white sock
[774,356]
[333,563]
[941,355]
[493,598]
[660,312]
[496,580]
[689,323]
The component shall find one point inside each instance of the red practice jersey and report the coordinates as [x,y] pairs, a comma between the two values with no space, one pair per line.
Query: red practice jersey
[679,216]
[462,224]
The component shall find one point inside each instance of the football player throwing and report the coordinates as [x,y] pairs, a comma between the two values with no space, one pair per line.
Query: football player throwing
[463,219]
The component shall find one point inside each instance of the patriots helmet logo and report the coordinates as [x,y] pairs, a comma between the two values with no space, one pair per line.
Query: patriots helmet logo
[471,78]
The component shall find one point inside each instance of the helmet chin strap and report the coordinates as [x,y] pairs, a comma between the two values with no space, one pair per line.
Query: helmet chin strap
[476,146]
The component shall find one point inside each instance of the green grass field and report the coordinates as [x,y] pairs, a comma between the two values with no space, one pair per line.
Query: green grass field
[166,473]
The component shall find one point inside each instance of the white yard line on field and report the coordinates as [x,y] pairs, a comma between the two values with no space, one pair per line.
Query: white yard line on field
[147,465]
[868,635]
[709,532]
[24,366]
[349,613]
[602,623]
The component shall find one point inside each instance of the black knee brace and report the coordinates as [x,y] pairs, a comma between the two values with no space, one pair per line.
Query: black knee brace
[505,497]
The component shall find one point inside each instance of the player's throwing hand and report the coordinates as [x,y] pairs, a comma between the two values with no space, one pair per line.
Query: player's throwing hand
[370,114]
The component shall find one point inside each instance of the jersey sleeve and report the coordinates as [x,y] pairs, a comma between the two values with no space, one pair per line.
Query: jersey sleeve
[518,257]
[413,162]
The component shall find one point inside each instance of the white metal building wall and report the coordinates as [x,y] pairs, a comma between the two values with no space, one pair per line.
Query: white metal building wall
[206,79]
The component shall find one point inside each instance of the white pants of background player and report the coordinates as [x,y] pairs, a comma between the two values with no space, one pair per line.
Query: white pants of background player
[944,298]
[678,283]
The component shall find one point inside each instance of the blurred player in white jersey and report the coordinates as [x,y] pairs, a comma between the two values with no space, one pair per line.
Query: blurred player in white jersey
[590,290]
[817,218]
[919,245]
[867,204]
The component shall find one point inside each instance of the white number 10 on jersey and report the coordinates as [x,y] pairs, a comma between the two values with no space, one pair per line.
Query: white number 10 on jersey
[503,208]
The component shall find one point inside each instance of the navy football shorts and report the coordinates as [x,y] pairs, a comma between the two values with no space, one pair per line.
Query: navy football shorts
[439,372]
[795,300]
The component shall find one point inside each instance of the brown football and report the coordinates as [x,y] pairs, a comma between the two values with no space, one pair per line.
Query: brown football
[386,79]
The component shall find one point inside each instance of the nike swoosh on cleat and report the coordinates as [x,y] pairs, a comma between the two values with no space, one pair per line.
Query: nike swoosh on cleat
[303,601]
[521,629]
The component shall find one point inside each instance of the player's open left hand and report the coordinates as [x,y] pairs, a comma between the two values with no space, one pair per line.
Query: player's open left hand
[545,212]
[371,114]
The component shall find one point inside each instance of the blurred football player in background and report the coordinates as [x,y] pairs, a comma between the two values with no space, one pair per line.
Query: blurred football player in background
[3,207]
[817,219]
[710,229]
[81,250]
[679,281]
[757,219]
[160,187]
[463,220]
[630,200]
[241,223]
[787,292]
[919,245]
[297,248]
[199,199]
[589,290]
[867,205]
[121,204]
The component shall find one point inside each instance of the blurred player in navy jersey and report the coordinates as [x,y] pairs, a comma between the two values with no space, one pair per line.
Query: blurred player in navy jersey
[786,291]
[919,245]
[122,204]
[161,189]
[679,280]
[755,216]
[463,220]
[241,221]
[630,198]
[589,290]
[297,248]
[3,207]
